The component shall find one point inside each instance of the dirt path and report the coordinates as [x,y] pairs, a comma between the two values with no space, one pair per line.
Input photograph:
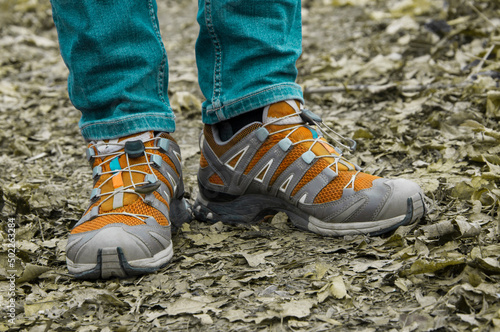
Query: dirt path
[414,81]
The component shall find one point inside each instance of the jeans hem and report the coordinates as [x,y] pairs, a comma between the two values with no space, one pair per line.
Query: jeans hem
[258,99]
[127,126]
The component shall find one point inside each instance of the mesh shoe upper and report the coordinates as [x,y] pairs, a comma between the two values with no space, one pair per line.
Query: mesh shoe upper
[290,163]
[136,181]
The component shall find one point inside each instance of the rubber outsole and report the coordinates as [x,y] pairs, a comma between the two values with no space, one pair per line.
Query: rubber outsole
[251,209]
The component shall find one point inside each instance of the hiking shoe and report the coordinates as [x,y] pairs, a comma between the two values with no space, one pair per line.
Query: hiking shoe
[137,195]
[283,164]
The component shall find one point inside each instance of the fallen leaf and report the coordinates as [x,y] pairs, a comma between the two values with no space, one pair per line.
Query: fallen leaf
[298,309]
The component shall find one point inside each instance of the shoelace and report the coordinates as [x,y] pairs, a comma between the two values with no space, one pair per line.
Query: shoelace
[310,118]
[135,149]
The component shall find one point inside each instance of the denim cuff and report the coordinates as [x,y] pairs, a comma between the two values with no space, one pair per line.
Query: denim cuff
[261,98]
[98,130]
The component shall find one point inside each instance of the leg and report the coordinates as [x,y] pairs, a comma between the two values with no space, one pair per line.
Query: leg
[118,75]
[278,161]
[117,65]
[246,53]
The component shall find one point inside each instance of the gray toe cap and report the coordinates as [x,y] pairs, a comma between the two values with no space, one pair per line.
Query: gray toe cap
[400,190]
[137,242]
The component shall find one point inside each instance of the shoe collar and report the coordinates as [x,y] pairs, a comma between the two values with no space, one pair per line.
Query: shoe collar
[282,113]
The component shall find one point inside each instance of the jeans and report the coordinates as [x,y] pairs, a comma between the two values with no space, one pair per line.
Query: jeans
[118,72]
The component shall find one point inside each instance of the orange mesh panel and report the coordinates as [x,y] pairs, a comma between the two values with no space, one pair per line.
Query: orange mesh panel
[203,161]
[139,207]
[221,149]
[333,191]
[100,222]
[271,141]
[167,136]
[215,179]
[311,173]
[301,134]
[364,181]
[292,155]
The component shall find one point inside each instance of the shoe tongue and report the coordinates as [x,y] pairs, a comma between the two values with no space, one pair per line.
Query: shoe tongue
[111,145]
[284,111]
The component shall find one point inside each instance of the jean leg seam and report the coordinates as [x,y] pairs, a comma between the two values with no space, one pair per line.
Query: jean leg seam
[161,68]
[218,54]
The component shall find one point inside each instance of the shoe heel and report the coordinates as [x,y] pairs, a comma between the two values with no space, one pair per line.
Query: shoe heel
[180,212]
[242,210]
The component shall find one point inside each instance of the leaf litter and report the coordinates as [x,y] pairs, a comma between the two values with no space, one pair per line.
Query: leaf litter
[414,81]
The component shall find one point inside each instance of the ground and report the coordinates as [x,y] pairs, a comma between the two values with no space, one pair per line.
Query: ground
[415,82]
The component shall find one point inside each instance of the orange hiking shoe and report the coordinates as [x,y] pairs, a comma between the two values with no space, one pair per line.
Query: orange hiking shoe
[137,195]
[284,164]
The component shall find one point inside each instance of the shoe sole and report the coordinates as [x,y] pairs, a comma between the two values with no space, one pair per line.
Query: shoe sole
[256,208]
[111,261]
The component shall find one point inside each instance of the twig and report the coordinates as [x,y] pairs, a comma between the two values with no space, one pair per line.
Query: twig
[482,16]
[379,88]
[38,156]
[481,63]
[475,57]
[41,228]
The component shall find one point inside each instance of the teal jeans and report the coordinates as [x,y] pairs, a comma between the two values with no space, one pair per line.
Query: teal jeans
[118,71]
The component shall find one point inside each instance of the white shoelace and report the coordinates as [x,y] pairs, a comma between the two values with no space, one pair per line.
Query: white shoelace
[130,189]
